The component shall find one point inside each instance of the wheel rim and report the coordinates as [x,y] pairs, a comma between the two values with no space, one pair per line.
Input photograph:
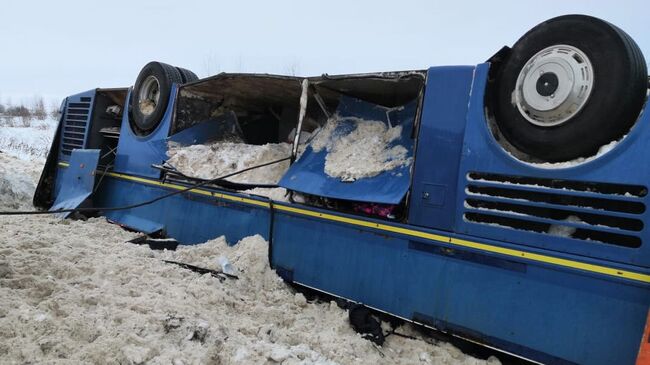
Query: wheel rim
[149,95]
[554,85]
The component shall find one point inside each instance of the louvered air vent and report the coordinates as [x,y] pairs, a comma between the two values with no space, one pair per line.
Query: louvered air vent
[75,125]
[588,211]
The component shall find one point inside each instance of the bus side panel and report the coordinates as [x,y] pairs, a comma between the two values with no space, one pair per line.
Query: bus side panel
[190,219]
[548,314]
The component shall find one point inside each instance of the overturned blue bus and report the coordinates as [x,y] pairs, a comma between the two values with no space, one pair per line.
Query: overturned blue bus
[515,217]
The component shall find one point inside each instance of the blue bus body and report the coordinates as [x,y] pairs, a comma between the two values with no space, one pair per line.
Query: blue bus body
[464,260]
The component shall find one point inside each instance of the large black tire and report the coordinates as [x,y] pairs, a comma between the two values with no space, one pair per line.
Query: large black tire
[151,95]
[618,90]
[187,75]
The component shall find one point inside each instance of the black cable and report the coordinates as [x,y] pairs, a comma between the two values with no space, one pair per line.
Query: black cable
[147,202]
[223,183]
[99,183]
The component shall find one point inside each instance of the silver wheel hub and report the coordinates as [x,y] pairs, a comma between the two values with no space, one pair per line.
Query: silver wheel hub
[149,95]
[554,85]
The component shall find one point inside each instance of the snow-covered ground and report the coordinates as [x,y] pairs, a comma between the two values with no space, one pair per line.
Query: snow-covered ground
[76,292]
[26,142]
[18,180]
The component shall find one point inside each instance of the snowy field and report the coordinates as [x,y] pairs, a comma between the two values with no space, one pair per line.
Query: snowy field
[75,292]
[26,142]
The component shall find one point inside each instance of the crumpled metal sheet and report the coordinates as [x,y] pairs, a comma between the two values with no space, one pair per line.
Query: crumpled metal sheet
[307,175]
[78,180]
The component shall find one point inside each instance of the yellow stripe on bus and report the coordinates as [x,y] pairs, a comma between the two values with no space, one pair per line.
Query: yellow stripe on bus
[196,191]
[181,187]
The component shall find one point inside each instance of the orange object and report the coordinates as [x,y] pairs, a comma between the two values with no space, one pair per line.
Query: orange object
[644,349]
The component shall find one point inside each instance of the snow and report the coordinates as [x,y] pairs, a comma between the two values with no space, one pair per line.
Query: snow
[578,161]
[530,161]
[560,230]
[209,161]
[304,136]
[364,152]
[18,180]
[23,148]
[537,186]
[27,142]
[277,194]
[466,205]
[147,107]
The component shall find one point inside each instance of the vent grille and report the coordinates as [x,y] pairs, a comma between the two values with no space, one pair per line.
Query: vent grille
[587,211]
[75,125]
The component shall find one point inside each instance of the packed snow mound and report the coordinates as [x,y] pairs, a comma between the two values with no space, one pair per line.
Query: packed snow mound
[75,292]
[277,194]
[209,161]
[364,152]
[580,160]
[18,179]
[560,230]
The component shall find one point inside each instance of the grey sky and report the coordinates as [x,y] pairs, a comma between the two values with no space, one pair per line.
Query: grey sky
[57,48]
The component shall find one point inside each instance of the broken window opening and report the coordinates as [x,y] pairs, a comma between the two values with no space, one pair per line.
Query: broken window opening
[265,111]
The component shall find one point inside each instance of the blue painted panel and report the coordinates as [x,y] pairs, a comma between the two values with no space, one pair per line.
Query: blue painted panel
[188,218]
[308,175]
[440,139]
[564,315]
[76,116]
[135,154]
[621,165]
[77,181]
[534,310]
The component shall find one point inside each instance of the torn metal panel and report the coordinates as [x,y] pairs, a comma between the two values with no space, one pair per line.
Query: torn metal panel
[307,175]
[78,181]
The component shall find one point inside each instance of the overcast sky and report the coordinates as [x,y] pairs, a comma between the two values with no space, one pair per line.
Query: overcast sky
[57,48]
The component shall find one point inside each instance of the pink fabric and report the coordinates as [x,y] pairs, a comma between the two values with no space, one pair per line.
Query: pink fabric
[380,210]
